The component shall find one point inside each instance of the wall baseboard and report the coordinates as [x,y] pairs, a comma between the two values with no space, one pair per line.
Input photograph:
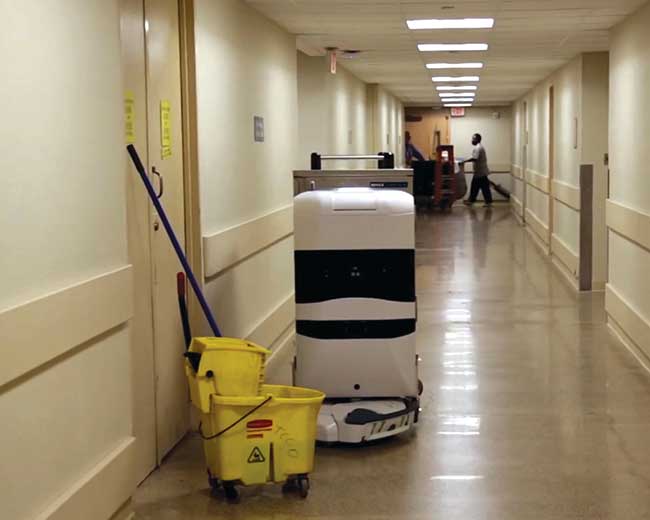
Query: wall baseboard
[226,248]
[542,246]
[628,343]
[566,274]
[68,318]
[96,494]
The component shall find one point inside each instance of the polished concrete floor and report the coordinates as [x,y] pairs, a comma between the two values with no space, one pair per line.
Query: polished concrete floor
[531,408]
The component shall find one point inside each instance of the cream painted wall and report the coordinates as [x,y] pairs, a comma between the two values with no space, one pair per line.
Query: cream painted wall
[388,122]
[595,144]
[333,113]
[339,114]
[629,117]
[62,223]
[580,124]
[246,66]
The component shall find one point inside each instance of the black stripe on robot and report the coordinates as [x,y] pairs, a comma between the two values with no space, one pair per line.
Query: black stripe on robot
[355,329]
[385,274]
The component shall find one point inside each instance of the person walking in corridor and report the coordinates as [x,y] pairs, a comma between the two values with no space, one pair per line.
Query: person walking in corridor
[480,180]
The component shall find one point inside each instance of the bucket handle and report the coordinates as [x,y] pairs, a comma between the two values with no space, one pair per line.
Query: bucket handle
[247,414]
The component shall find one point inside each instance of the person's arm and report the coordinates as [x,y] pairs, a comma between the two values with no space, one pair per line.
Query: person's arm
[473,158]
[413,152]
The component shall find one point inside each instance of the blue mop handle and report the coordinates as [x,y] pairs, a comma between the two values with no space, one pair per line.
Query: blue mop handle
[172,236]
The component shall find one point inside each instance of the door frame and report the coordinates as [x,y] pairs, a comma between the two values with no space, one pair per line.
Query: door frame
[551,163]
[193,234]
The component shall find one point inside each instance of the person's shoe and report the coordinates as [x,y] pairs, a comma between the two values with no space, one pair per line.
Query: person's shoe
[468,202]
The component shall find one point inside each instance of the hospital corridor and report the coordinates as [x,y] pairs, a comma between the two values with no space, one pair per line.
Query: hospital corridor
[324,260]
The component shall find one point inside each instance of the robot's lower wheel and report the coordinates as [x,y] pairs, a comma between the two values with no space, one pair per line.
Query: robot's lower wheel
[299,484]
[232,495]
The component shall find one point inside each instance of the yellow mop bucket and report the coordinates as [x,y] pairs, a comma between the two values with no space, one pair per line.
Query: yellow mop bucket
[258,439]
[223,366]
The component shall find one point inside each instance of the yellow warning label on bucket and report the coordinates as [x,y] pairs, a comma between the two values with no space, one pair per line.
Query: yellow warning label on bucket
[256,456]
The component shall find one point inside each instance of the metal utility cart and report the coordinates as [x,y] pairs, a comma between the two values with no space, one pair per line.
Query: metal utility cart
[444,180]
[385,176]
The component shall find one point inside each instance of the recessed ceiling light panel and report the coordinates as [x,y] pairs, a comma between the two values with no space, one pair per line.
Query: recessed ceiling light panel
[458,105]
[452,47]
[456,94]
[455,23]
[444,79]
[444,66]
[457,87]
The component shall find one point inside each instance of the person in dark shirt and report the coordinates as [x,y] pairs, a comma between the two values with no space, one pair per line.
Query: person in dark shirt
[411,151]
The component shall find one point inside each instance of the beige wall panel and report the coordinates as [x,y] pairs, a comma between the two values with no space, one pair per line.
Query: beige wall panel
[628,273]
[60,422]
[50,326]
[226,248]
[244,296]
[634,325]
[53,93]
[537,225]
[628,222]
[246,66]
[629,109]
[95,495]
[567,194]
[565,254]
[566,225]
[62,223]
[537,180]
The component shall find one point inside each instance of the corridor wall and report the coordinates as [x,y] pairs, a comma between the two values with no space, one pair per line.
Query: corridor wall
[547,162]
[333,113]
[246,67]
[628,206]
[66,442]
[339,114]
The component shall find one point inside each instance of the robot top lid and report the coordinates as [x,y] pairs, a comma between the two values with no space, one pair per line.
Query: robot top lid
[354,219]
[384,202]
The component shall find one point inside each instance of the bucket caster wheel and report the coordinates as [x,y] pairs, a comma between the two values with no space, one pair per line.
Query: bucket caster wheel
[214,482]
[232,495]
[299,484]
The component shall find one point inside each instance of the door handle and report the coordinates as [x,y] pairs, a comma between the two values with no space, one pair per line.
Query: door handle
[160,179]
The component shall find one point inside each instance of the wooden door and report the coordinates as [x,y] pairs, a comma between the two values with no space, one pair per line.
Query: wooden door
[139,229]
[166,163]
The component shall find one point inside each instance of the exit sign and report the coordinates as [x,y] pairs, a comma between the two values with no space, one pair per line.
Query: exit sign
[457,111]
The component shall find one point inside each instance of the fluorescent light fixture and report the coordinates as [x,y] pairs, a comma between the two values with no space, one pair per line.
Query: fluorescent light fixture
[452,47]
[443,66]
[442,79]
[457,477]
[456,23]
[454,95]
[457,105]
[457,100]
[457,87]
